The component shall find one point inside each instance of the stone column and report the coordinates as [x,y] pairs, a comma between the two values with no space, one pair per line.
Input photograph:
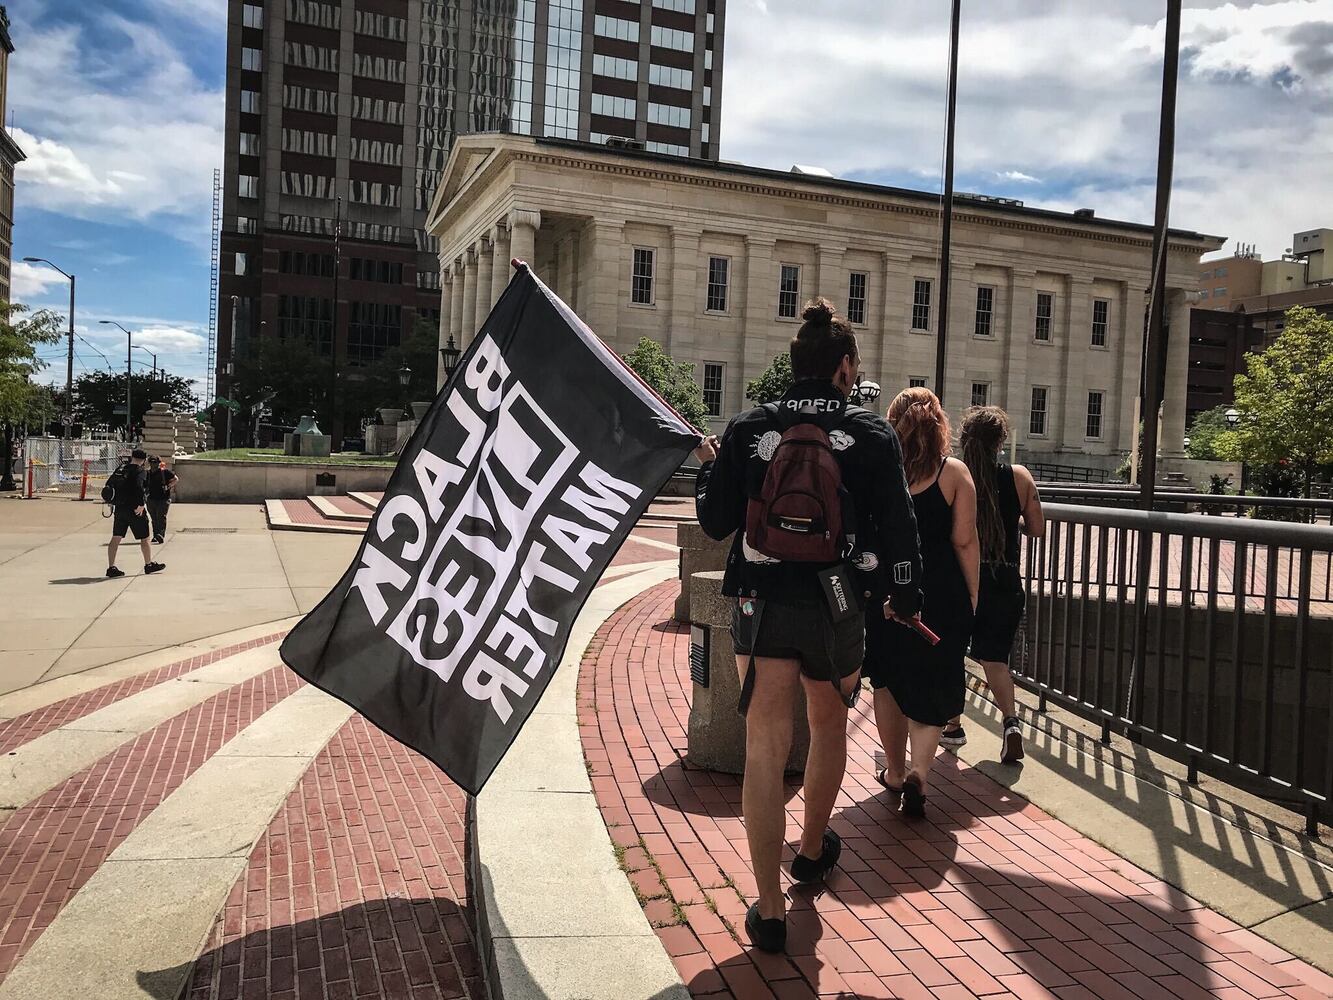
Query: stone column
[893,374]
[761,305]
[685,266]
[1129,361]
[485,262]
[567,267]
[600,291]
[456,301]
[501,272]
[1017,398]
[957,347]
[830,280]
[446,303]
[1074,343]
[1177,374]
[469,297]
[523,226]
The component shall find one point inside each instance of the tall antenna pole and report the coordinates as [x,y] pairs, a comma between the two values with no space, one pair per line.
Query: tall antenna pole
[942,334]
[334,430]
[214,253]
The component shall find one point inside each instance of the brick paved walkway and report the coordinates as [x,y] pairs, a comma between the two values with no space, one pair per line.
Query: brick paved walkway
[988,897]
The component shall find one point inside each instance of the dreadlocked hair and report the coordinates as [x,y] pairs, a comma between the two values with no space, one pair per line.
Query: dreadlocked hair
[985,429]
[923,429]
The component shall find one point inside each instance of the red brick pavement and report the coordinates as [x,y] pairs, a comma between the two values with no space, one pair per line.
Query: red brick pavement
[357,888]
[25,728]
[989,896]
[53,845]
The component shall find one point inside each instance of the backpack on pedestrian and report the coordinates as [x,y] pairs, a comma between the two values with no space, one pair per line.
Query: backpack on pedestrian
[114,483]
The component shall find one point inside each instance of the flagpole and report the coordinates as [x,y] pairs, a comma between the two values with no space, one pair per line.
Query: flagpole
[946,209]
[335,433]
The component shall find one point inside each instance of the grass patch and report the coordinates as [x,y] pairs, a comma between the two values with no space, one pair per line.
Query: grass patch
[276,455]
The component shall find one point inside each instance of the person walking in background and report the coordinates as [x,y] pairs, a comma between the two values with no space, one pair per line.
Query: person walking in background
[919,687]
[1007,502]
[129,513]
[161,486]
[798,483]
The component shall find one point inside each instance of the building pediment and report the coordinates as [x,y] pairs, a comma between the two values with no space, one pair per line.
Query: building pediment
[469,158]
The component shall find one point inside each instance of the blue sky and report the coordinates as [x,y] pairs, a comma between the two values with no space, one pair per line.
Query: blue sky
[119,105]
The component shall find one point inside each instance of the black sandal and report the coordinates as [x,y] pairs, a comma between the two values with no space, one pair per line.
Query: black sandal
[805,869]
[914,798]
[766,935]
[879,778]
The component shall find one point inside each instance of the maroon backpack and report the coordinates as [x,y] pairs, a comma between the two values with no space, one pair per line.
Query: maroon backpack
[798,515]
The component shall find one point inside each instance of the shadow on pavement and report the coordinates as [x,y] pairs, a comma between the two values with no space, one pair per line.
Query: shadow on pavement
[387,948]
[79,581]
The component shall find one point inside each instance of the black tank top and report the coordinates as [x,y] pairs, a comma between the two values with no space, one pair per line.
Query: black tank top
[1010,510]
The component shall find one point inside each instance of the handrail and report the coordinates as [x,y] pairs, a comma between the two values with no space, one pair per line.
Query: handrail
[1220,499]
[1316,537]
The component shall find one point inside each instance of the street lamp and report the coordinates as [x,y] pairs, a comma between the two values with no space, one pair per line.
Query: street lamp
[69,363]
[150,354]
[404,376]
[450,355]
[129,345]
[866,392]
[1233,421]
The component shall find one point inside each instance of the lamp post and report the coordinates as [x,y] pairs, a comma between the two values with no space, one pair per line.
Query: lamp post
[69,362]
[151,355]
[866,392]
[129,347]
[1233,421]
[450,355]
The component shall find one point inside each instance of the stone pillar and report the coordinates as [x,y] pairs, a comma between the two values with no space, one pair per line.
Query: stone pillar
[685,268]
[893,374]
[567,267]
[761,305]
[1129,357]
[1075,345]
[501,272]
[957,347]
[456,301]
[469,297]
[485,264]
[523,226]
[1017,398]
[446,302]
[159,431]
[830,280]
[602,248]
[1177,374]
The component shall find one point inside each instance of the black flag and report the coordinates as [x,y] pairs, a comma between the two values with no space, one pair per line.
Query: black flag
[522,481]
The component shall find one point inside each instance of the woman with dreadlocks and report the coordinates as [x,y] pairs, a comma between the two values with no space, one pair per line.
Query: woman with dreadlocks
[1007,502]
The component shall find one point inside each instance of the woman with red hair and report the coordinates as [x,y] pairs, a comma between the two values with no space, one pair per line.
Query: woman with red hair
[919,687]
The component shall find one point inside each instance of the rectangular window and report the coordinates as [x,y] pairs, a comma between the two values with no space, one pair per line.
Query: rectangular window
[641,284]
[252,59]
[247,186]
[246,225]
[248,144]
[1101,317]
[1045,309]
[242,263]
[921,305]
[670,38]
[1095,415]
[980,393]
[985,312]
[916,382]
[1203,294]
[620,69]
[856,297]
[614,107]
[669,114]
[1219,293]
[683,6]
[1221,272]
[670,76]
[250,102]
[789,291]
[714,375]
[717,283]
[252,16]
[1037,421]
[615,27]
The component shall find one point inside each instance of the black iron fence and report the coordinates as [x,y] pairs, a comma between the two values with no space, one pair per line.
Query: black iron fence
[1047,472]
[1318,510]
[1222,661]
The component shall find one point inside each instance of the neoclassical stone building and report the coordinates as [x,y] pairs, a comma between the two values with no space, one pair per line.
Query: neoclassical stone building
[714,260]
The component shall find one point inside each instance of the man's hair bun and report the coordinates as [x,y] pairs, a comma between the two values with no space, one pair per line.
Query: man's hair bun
[818,310]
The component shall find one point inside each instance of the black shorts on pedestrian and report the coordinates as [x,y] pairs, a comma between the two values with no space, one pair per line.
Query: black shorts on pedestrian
[827,650]
[1000,601]
[127,521]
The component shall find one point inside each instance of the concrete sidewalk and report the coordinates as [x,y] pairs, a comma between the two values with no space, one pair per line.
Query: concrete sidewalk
[225,570]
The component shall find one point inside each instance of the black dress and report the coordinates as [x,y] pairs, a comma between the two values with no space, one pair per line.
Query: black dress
[926,681]
[1000,597]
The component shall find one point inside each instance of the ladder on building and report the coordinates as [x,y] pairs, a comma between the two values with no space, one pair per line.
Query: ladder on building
[215,255]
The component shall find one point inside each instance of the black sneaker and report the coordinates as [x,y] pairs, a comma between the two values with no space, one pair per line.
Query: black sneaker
[914,798]
[805,869]
[154,567]
[766,935]
[157,540]
[1013,741]
[953,737]
[113,572]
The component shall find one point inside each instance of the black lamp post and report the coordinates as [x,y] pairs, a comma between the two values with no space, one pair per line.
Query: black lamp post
[450,355]
[1233,421]
[866,392]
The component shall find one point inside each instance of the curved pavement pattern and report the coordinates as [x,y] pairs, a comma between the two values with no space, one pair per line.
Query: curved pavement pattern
[990,896]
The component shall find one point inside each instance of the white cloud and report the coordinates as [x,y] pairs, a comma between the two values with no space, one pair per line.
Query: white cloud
[31,281]
[170,340]
[207,11]
[1017,177]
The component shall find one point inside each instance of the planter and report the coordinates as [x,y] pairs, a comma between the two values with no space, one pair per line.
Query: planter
[390,416]
[419,410]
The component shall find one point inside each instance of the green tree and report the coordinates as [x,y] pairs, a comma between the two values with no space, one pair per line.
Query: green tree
[773,384]
[20,337]
[1285,400]
[670,379]
[1208,426]
[97,394]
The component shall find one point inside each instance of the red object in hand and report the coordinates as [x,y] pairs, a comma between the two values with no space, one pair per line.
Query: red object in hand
[923,630]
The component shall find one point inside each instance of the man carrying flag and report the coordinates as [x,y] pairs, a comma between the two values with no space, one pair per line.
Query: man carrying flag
[519,485]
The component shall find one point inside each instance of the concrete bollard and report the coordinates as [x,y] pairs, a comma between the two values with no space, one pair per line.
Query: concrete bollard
[698,554]
[717,730]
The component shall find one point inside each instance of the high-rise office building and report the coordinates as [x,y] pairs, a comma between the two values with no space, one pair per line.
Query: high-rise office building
[341,115]
[10,155]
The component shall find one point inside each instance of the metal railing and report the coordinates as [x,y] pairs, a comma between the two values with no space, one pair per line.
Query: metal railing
[1046,472]
[1223,661]
[1318,510]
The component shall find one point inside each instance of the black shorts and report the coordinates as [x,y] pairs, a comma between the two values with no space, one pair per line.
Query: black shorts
[1000,601]
[126,521]
[825,648]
